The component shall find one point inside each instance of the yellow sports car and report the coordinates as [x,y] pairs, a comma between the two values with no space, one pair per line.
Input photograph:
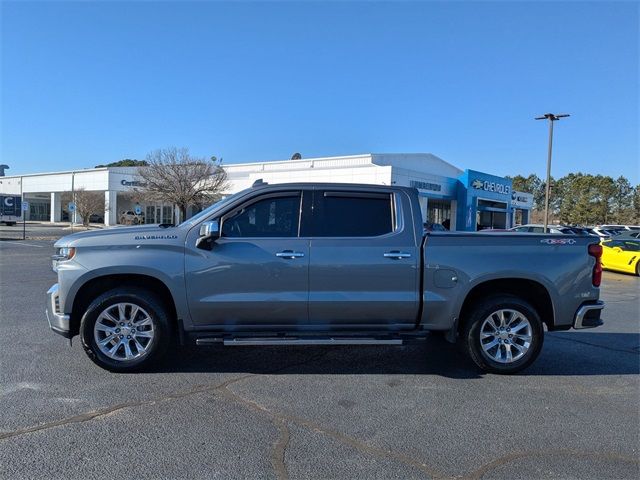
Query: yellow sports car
[621,255]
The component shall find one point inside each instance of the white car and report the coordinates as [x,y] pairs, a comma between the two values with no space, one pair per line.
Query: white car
[621,227]
[131,218]
[536,228]
[604,233]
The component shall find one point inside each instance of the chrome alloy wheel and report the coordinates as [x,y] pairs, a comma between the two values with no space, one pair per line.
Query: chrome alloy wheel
[505,336]
[124,332]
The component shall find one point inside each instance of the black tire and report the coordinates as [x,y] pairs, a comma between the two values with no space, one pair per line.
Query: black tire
[471,342]
[160,320]
[10,224]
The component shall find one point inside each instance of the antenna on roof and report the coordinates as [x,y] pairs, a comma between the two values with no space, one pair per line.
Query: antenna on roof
[259,183]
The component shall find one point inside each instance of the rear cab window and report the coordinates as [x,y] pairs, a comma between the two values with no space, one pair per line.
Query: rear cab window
[352,214]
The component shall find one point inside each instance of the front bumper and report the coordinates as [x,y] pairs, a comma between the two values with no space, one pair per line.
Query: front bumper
[58,322]
[588,315]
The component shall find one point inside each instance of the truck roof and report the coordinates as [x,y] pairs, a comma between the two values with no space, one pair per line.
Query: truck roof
[260,184]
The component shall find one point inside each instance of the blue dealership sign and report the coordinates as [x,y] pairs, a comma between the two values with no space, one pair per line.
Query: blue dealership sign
[482,192]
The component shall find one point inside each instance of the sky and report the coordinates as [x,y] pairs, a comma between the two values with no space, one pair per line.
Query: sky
[87,83]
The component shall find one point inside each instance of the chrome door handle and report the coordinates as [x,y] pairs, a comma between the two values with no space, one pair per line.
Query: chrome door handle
[289,254]
[397,255]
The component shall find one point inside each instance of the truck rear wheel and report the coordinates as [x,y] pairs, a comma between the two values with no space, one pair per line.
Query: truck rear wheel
[125,329]
[503,334]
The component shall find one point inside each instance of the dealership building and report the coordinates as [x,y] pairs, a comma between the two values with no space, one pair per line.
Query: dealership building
[468,199]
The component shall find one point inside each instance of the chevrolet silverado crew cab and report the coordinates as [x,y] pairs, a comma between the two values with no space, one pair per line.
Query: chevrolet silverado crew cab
[319,264]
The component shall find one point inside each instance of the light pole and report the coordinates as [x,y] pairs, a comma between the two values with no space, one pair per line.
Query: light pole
[552,118]
[23,212]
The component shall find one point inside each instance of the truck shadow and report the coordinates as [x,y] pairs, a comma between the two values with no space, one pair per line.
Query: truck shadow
[564,354]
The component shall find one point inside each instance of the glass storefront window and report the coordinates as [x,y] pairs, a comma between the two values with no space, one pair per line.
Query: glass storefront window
[491,214]
[39,211]
[491,220]
[438,211]
[167,215]
[520,217]
[150,216]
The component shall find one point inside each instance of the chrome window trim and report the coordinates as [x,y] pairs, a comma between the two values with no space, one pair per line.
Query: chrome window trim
[259,198]
[396,210]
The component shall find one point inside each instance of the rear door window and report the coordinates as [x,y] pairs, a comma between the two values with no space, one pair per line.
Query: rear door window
[352,214]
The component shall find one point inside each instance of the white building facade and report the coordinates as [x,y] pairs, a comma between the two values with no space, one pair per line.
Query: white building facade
[435,179]
[48,194]
[442,188]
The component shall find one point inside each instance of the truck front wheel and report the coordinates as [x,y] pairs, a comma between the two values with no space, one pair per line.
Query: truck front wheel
[503,334]
[125,329]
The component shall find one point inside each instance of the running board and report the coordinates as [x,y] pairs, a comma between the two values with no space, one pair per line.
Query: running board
[237,342]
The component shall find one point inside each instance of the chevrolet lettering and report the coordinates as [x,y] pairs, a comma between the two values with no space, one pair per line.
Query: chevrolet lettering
[155,237]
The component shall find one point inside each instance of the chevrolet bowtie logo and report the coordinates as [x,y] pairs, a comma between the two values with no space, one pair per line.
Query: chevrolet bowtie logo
[478,184]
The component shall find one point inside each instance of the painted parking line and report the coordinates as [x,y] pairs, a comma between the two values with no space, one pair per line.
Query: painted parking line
[23,244]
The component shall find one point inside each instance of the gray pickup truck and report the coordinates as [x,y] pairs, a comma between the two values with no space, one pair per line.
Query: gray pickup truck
[319,264]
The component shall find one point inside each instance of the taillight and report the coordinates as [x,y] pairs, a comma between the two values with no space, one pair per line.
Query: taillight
[595,250]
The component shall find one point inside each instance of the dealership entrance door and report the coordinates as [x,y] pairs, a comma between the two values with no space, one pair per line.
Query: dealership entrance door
[158,214]
[491,215]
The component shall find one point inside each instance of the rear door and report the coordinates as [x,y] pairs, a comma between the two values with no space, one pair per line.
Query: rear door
[364,263]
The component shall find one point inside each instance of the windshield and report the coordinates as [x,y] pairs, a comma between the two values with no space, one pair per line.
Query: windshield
[630,246]
[197,217]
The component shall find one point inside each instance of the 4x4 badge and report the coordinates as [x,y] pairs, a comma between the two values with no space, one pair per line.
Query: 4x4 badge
[558,241]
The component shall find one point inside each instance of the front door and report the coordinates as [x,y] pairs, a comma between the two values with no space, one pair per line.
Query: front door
[365,261]
[150,216]
[257,273]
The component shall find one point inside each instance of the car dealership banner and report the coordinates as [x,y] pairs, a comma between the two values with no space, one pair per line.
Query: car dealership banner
[10,205]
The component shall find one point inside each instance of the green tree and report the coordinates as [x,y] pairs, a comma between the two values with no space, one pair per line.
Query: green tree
[579,198]
[127,162]
[622,201]
[585,199]
[606,193]
[519,183]
[636,205]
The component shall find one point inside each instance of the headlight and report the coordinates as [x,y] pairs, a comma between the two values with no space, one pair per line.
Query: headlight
[66,253]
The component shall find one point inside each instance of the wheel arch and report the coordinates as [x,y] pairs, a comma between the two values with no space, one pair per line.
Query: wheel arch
[529,290]
[101,284]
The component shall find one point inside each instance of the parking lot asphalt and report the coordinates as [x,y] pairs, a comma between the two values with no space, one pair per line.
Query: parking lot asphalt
[43,230]
[36,231]
[416,411]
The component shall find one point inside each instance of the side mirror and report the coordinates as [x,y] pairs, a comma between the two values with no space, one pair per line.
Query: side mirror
[209,232]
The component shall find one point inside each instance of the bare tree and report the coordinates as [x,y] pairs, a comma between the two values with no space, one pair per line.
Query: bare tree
[174,176]
[87,203]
